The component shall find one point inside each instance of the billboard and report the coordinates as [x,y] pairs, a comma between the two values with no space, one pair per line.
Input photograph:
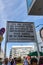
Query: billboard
[20,31]
[36,8]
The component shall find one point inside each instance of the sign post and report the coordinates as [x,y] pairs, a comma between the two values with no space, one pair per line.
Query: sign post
[20,32]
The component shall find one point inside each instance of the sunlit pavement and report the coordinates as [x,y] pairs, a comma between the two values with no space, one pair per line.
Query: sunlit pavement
[19,64]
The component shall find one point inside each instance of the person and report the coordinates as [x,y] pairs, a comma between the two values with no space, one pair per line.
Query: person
[33,61]
[9,61]
[41,61]
[12,61]
[5,62]
[25,62]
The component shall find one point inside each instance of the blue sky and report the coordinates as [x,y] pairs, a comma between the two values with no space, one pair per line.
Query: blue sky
[16,10]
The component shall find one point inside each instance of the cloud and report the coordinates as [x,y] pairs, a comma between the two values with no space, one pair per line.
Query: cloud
[2,13]
[3,16]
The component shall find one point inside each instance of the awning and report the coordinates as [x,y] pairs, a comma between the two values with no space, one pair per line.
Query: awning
[35,53]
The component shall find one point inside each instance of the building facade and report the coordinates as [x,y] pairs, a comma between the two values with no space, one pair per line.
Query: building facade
[22,51]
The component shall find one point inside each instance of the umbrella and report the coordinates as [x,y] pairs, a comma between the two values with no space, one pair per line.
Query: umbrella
[35,53]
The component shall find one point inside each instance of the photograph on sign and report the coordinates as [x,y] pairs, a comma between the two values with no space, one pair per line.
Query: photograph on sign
[20,32]
[36,9]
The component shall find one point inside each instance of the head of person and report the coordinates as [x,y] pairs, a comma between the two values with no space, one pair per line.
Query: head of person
[33,61]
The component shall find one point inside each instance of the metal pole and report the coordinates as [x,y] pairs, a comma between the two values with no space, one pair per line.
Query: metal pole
[5,50]
[5,43]
[38,49]
[37,44]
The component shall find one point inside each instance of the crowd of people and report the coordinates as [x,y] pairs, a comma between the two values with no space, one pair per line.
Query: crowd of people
[33,61]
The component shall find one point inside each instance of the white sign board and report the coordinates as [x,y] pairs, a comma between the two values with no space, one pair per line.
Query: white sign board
[20,31]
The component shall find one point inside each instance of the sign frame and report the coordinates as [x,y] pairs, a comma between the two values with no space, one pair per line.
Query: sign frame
[20,23]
